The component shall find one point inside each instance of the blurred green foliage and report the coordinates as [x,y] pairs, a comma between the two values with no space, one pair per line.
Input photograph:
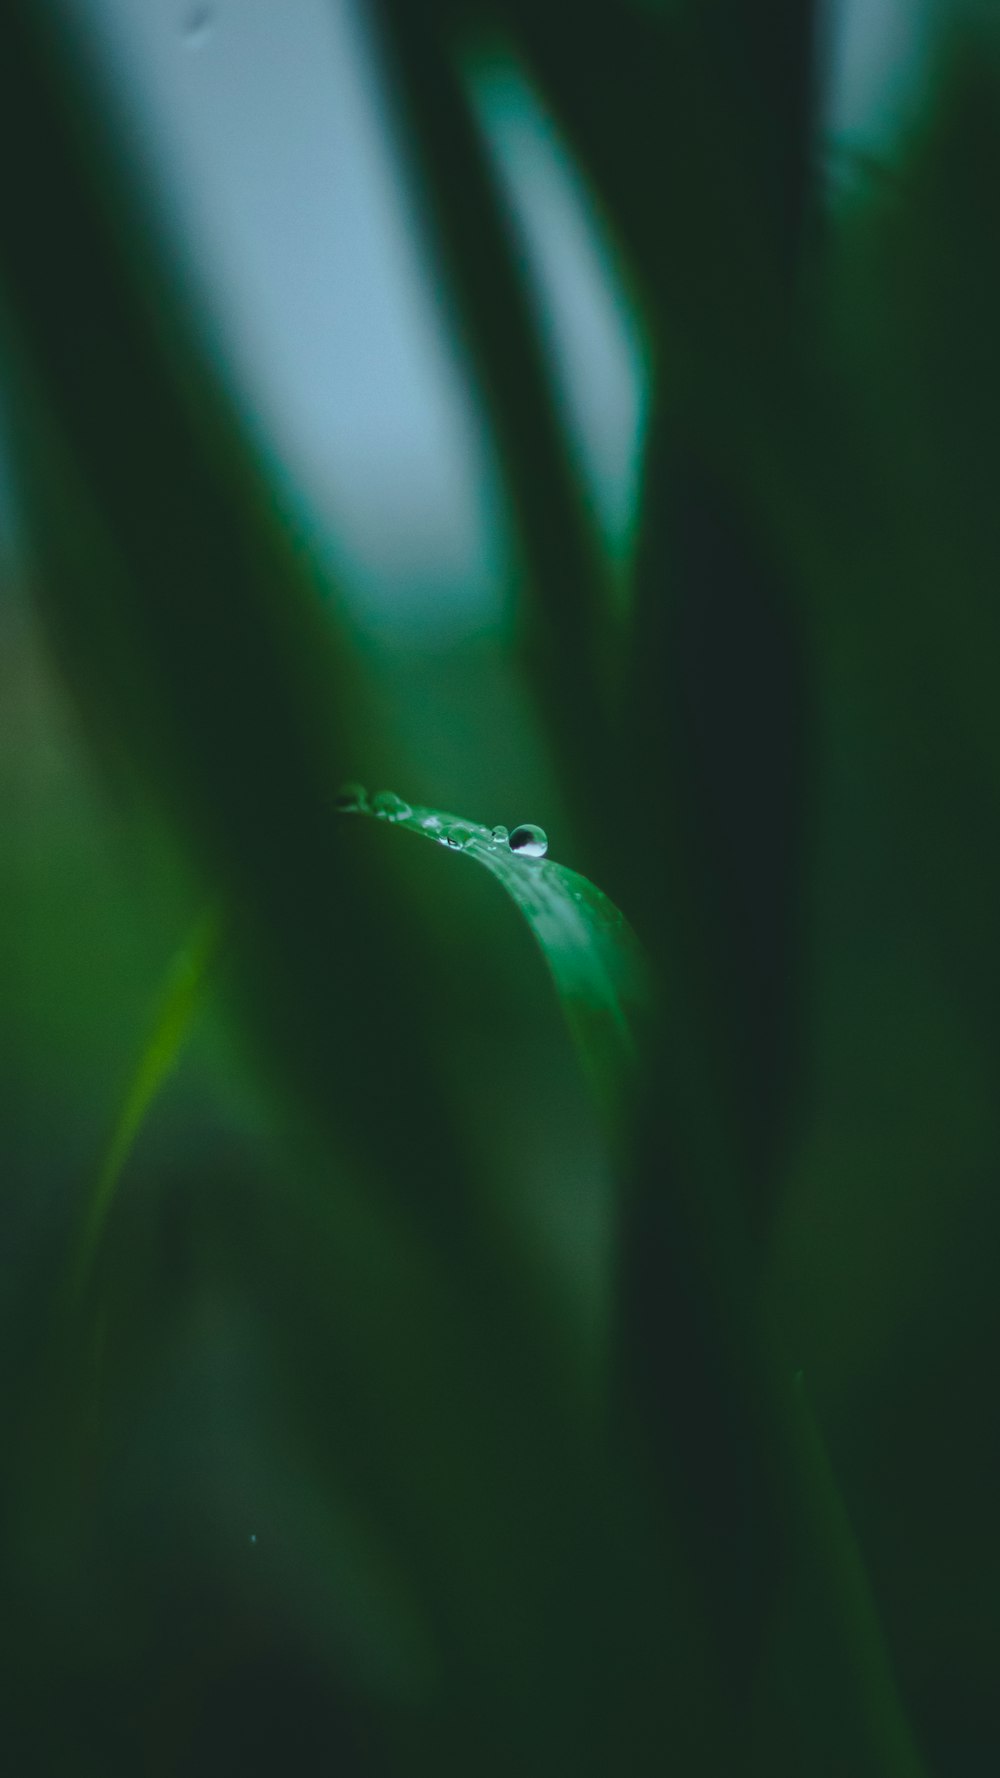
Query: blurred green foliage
[414,1414]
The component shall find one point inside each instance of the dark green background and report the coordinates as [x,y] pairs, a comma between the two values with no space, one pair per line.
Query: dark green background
[413,1420]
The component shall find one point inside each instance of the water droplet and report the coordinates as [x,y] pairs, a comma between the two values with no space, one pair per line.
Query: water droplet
[197,25]
[499,836]
[351,799]
[433,823]
[390,807]
[459,837]
[528,841]
[253,1537]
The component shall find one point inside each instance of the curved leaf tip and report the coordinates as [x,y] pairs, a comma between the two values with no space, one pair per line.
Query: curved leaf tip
[594,958]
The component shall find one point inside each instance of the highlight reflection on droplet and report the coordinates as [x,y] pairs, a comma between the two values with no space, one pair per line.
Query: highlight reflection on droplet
[528,841]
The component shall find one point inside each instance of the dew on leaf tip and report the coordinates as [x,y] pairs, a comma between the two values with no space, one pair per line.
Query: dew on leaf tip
[528,841]
[390,807]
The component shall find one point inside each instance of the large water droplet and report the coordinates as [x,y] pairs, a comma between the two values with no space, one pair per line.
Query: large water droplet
[390,807]
[351,799]
[499,835]
[528,841]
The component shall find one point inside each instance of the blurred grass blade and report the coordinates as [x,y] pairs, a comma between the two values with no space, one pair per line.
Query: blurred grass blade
[721,739]
[179,1002]
[718,716]
[705,1381]
[191,616]
[853,1600]
[593,956]
[564,600]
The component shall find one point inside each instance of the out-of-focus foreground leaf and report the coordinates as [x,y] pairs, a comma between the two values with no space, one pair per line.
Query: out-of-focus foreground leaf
[181,996]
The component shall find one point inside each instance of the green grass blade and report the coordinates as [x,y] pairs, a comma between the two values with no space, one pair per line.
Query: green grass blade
[854,1609]
[179,1001]
[593,956]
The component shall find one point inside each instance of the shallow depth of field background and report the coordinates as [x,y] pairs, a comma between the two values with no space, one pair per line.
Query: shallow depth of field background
[202,1579]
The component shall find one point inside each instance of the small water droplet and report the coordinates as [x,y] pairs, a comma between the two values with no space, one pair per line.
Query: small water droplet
[499,835]
[433,823]
[253,1537]
[351,799]
[197,25]
[390,807]
[459,837]
[528,841]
